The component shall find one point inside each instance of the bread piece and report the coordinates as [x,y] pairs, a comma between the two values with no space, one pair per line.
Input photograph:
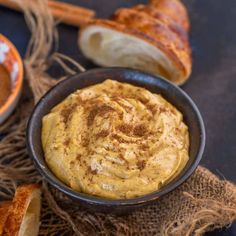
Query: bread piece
[142,37]
[181,30]
[4,211]
[173,9]
[24,212]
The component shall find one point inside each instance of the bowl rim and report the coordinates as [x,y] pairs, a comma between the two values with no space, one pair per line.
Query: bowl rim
[17,89]
[57,183]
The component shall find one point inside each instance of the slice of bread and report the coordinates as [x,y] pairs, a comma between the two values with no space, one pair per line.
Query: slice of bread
[22,215]
[4,212]
[153,38]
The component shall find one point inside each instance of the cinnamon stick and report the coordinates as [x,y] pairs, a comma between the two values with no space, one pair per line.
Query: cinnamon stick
[63,12]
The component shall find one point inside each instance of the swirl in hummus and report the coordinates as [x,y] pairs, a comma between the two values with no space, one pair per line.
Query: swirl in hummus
[115,140]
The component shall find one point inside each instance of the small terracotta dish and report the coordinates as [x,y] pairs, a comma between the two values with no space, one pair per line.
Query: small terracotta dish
[11,60]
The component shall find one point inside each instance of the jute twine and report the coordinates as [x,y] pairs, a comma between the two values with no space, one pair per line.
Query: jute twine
[201,204]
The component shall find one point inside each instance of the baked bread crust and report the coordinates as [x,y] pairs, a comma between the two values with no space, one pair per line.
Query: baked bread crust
[22,217]
[4,212]
[163,24]
[174,9]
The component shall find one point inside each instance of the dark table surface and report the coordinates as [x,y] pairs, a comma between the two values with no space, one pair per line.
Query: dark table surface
[212,84]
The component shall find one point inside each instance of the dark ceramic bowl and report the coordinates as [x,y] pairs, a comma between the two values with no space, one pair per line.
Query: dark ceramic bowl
[172,93]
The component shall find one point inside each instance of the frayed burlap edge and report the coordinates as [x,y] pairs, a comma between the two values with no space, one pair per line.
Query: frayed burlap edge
[201,204]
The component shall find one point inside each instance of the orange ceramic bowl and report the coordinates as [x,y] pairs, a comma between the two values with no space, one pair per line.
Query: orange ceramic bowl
[11,60]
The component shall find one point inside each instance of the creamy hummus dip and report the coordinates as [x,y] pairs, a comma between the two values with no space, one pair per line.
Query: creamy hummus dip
[115,140]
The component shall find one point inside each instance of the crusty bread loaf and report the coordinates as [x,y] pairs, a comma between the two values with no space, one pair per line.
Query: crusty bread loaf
[152,37]
[21,216]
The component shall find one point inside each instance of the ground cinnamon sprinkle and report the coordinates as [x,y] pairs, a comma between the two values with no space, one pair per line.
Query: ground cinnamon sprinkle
[162,110]
[85,141]
[118,138]
[5,85]
[140,130]
[141,165]
[67,142]
[78,157]
[65,113]
[93,172]
[98,110]
[144,147]
[125,128]
[72,163]
[103,134]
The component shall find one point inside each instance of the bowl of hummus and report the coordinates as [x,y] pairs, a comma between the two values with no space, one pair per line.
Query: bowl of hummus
[115,138]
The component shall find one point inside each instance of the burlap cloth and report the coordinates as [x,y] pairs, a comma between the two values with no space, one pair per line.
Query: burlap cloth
[201,204]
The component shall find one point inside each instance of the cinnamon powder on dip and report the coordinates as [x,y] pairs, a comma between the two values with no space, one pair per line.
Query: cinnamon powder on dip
[115,140]
[5,85]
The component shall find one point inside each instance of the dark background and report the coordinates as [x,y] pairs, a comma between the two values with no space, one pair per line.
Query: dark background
[212,84]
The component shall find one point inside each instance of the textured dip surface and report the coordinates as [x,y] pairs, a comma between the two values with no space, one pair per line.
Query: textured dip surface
[115,140]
